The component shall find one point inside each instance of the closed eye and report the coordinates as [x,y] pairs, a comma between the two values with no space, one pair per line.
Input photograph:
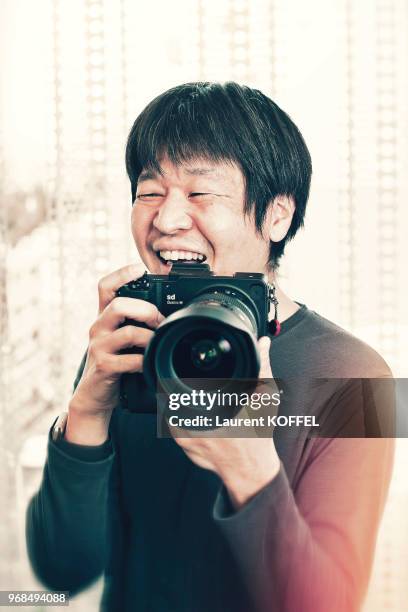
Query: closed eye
[148,195]
[151,196]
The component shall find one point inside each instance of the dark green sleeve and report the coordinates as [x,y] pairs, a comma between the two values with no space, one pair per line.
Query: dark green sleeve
[66,520]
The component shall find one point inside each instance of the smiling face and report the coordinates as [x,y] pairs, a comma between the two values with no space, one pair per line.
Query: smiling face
[196,209]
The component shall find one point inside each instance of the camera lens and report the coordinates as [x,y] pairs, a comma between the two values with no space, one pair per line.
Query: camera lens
[203,355]
[213,337]
[207,354]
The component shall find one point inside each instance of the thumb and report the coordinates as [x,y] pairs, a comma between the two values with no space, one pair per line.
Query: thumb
[264,344]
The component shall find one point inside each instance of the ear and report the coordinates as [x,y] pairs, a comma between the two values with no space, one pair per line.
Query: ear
[279,218]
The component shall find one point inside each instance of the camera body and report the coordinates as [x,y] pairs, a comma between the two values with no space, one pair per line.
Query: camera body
[210,331]
[186,282]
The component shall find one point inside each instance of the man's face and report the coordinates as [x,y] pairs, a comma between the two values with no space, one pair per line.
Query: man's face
[194,210]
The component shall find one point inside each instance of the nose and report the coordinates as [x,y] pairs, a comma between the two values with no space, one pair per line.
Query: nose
[172,215]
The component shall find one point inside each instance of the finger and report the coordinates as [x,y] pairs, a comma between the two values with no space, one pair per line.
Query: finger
[119,364]
[108,285]
[183,436]
[264,344]
[124,337]
[121,308]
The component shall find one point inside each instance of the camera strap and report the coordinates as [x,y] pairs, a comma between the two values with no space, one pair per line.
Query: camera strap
[274,324]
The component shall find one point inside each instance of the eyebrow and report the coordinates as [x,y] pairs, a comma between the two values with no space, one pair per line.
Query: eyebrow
[200,171]
[148,175]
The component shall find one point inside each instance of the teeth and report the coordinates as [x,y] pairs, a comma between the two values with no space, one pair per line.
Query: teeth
[175,255]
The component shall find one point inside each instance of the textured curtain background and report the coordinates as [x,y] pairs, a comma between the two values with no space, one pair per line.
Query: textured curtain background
[74,75]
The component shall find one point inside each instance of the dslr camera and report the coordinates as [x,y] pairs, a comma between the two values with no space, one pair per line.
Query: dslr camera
[209,334]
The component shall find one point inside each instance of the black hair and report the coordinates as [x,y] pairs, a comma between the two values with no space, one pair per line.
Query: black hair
[233,123]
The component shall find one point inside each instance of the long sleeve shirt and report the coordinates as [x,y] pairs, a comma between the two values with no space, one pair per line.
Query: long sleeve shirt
[164,533]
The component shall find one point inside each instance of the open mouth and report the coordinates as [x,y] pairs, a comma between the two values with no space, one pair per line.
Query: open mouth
[185,257]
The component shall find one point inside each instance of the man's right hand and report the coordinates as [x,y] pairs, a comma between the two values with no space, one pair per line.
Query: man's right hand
[97,392]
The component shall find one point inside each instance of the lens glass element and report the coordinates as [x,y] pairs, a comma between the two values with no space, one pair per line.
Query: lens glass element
[204,354]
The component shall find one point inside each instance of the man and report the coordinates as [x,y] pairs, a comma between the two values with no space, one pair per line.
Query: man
[221,174]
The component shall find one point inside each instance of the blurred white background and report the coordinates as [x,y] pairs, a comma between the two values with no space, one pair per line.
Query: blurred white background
[74,76]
